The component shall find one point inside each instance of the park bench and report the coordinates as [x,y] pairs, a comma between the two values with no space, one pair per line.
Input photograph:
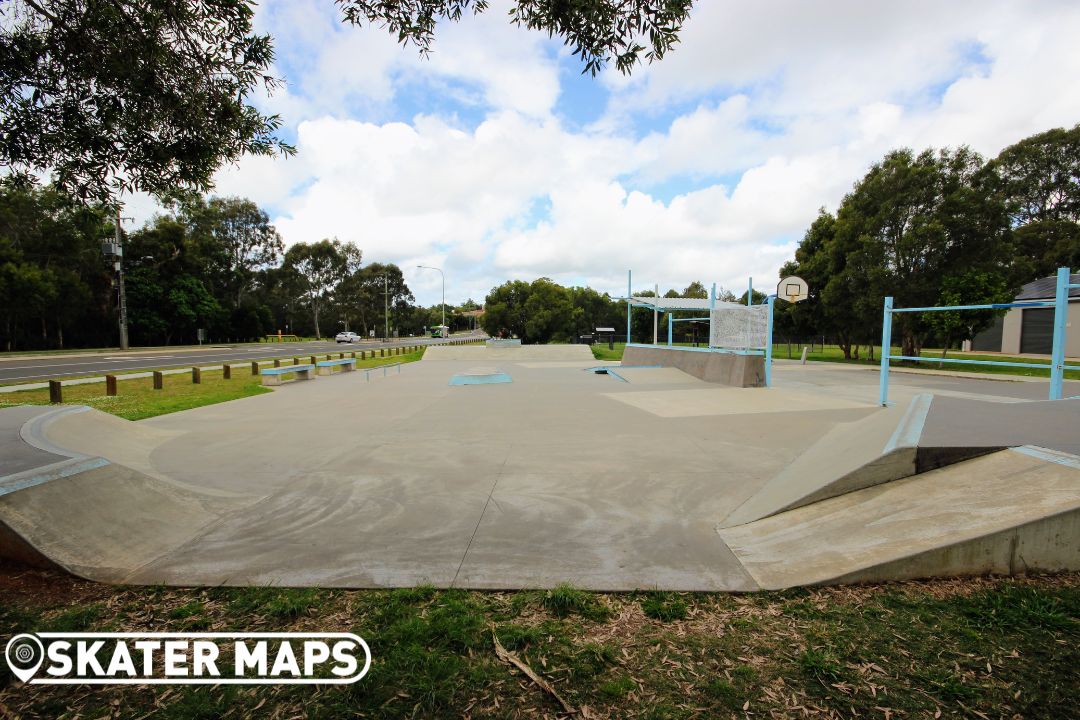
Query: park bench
[272,376]
[326,367]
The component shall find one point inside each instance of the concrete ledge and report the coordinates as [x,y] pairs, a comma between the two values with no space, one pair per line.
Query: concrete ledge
[715,367]
[272,376]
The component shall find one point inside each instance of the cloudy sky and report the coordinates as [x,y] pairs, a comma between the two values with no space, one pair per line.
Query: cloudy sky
[495,158]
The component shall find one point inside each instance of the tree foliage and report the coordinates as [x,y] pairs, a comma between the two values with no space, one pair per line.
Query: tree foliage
[1038,179]
[118,95]
[596,31]
[938,228]
[320,267]
[215,264]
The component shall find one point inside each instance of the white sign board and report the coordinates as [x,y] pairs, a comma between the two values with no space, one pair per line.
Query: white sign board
[793,289]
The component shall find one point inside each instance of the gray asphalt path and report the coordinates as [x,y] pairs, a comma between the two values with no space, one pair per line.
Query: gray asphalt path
[20,370]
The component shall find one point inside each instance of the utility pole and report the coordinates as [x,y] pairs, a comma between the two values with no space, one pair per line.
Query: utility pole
[386,307]
[123,295]
[115,251]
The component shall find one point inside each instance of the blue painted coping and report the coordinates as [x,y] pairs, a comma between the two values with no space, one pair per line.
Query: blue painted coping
[286,369]
[491,379]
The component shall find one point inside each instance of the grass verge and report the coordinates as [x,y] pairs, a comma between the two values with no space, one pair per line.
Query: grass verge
[961,648]
[137,399]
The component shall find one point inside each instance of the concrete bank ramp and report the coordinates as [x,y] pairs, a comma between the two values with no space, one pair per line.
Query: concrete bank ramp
[93,516]
[895,443]
[514,354]
[1007,512]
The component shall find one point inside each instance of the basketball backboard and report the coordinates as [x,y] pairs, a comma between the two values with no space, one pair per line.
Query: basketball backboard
[793,289]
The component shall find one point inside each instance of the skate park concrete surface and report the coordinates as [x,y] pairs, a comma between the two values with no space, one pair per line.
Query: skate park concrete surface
[637,479]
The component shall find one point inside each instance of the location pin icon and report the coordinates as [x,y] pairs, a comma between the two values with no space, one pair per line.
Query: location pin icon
[24,655]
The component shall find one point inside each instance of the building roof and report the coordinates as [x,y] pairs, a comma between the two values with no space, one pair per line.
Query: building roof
[1045,288]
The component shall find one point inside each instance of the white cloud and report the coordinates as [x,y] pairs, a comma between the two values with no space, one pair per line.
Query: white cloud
[708,165]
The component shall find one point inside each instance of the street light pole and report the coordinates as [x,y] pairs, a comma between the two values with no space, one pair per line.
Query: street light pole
[123,295]
[115,251]
[428,267]
[386,307]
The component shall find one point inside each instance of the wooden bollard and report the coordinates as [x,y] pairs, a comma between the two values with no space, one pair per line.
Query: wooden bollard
[313,360]
[277,362]
[296,361]
[159,380]
[110,385]
[341,356]
[254,368]
[196,376]
[226,371]
[382,352]
[56,394]
[352,355]
[328,357]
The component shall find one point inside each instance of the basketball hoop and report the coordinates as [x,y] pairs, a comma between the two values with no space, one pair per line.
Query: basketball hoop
[793,289]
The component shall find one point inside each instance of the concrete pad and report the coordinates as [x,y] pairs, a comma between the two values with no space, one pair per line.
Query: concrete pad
[658,376]
[732,401]
[641,531]
[334,530]
[369,480]
[17,455]
[909,528]
[582,363]
[518,353]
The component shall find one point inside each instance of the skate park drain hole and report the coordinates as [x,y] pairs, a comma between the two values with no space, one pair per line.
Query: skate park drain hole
[480,378]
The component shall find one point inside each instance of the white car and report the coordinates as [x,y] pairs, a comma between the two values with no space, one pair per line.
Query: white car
[349,337]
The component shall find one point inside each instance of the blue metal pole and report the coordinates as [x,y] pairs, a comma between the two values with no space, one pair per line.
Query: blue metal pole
[750,294]
[1057,355]
[886,350]
[712,309]
[629,302]
[669,324]
[768,343]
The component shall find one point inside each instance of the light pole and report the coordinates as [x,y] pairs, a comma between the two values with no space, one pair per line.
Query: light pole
[428,267]
[115,251]
[386,307]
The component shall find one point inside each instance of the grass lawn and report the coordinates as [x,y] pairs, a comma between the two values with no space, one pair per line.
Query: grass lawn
[833,353]
[136,399]
[961,648]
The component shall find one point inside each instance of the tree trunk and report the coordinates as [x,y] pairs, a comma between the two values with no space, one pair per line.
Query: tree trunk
[315,309]
[845,345]
[60,333]
[908,344]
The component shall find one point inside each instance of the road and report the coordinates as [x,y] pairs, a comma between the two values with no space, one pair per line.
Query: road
[20,370]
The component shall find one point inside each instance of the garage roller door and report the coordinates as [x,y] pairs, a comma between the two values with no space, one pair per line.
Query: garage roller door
[1037,331]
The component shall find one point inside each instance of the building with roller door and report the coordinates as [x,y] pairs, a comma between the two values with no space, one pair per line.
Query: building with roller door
[1031,330]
